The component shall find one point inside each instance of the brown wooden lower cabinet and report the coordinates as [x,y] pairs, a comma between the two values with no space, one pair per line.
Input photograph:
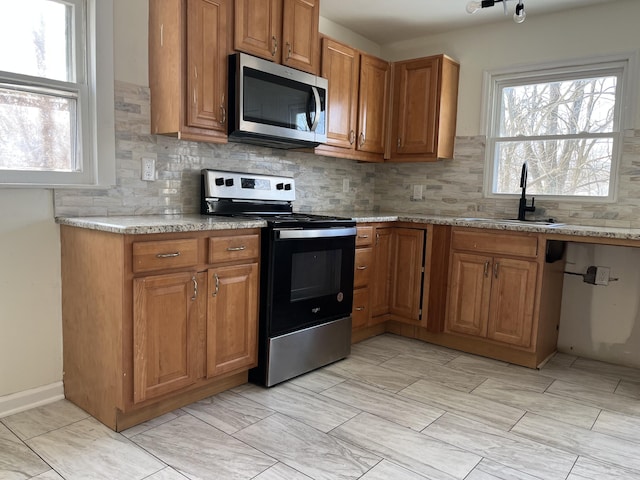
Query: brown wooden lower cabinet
[492,297]
[382,271]
[486,292]
[232,319]
[141,341]
[165,334]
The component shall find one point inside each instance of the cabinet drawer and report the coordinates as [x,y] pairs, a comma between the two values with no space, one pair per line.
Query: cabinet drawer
[364,236]
[362,267]
[360,315]
[496,242]
[231,248]
[158,255]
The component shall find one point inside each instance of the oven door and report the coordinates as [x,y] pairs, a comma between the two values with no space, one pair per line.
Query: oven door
[311,279]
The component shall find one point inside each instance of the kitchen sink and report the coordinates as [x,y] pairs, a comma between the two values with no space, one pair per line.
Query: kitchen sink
[511,221]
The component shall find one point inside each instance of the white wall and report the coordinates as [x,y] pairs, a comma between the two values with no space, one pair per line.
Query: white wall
[341,34]
[581,33]
[30,312]
[602,322]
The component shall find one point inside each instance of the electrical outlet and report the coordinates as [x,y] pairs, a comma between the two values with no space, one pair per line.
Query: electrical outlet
[602,275]
[417,192]
[345,185]
[148,169]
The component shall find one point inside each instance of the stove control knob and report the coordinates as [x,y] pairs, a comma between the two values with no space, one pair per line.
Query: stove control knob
[229,182]
[287,186]
[219,181]
[280,186]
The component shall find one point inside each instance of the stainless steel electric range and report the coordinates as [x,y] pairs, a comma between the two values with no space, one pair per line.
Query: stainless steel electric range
[306,273]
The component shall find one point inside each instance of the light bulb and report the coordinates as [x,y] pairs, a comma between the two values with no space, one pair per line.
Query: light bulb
[520,14]
[473,6]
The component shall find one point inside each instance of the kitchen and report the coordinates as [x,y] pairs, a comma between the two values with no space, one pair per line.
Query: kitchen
[31,344]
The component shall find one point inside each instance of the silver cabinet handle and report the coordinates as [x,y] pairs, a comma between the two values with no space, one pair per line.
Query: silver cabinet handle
[352,137]
[377,238]
[486,268]
[288,50]
[363,236]
[195,288]
[359,309]
[236,249]
[398,142]
[362,139]
[495,269]
[217,290]
[223,115]
[361,267]
[274,42]
[168,255]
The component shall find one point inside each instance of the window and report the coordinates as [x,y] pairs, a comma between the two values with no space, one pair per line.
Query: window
[565,123]
[50,94]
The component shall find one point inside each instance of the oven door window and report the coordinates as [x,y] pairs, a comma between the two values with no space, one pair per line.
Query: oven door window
[315,274]
[311,282]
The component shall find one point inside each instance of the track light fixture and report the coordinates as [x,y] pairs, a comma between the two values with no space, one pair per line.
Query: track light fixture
[519,16]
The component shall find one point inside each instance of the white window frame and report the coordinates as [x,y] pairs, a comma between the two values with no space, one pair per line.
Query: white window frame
[93,86]
[626,99]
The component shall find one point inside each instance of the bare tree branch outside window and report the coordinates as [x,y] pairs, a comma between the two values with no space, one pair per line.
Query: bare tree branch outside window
[564,129]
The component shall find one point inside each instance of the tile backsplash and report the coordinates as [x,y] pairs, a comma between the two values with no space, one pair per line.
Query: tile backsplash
[450,187]
[319,180]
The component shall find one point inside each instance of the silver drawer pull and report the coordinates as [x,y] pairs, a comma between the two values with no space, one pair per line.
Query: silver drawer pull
[359,309]
[363,236]
[361,267]
[236,249]
[168,255]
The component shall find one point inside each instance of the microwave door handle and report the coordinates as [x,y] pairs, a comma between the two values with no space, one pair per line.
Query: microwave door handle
[316,118]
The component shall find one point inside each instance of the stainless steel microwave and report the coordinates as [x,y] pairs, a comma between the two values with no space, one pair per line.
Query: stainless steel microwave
[274,105]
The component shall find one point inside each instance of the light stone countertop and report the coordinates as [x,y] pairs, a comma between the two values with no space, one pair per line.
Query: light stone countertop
[146,224]
[595,232]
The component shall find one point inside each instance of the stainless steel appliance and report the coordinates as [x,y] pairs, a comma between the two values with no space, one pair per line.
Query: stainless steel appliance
[306,278]
[274,105]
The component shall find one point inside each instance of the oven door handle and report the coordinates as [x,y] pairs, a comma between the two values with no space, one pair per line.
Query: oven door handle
[285,234]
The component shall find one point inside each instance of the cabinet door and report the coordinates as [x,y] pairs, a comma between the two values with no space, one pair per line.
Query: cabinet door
[232,316]
[512,301]
[341,66]
[207,64]
[258,25]
[469,294]
[408,265]
[300,48]
[165,334]
[374,93]
[415,106]
[380,286]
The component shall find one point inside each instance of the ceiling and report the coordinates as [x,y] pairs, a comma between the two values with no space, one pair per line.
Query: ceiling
[388,21]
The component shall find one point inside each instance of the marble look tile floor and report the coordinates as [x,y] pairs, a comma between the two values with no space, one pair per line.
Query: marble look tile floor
[396,409]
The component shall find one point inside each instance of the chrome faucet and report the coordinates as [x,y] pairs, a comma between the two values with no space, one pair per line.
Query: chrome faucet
[523,208]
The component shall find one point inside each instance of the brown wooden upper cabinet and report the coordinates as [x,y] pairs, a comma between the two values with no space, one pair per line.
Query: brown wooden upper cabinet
[284,31]
[425,100]
[188,46]
[359,87]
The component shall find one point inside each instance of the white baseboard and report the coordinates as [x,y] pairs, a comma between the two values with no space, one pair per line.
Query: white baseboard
[27,399]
